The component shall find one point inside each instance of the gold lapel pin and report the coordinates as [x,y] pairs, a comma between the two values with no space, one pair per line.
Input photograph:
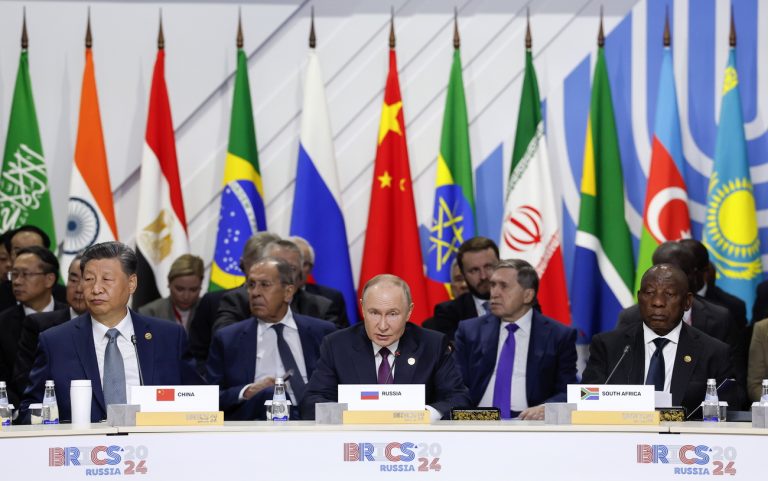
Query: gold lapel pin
[687,358]
[148,336]
[411,361]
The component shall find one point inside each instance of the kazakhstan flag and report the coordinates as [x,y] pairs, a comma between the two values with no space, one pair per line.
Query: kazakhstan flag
[730,229]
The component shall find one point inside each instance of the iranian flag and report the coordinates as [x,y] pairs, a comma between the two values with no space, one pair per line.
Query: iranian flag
[530,228]
[162,224]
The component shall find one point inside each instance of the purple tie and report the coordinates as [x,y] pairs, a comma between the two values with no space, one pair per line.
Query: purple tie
[385,370]
[502,389]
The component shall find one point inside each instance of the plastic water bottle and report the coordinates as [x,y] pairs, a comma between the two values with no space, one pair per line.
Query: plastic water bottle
[50,407]
[764,396]
[5,408]
[710,408]
[279,402]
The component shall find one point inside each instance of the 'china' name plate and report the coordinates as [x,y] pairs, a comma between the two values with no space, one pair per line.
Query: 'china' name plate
[164,399]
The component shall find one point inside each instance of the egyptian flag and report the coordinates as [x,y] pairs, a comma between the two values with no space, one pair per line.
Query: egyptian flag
[161,234]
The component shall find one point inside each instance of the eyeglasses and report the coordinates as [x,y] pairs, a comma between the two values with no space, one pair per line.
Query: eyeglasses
[13,275]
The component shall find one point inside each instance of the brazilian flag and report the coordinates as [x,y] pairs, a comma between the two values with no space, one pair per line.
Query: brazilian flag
[242,198]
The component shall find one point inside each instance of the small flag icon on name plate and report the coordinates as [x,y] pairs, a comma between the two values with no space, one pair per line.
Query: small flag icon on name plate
[369,395]
[166,394]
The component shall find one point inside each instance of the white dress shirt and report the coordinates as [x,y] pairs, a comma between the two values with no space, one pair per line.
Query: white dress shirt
[268,361]
[669,352]
[29,311]
[127,351]
[479,307]
[518,398]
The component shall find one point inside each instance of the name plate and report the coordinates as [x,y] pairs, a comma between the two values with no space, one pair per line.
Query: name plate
[637,418]
[166,399]
[612,397]
[180,419]
[382,397]
[386,417]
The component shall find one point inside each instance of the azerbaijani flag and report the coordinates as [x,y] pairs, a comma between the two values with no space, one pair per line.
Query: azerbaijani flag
[317,214]
[603,270]
[665,216]
[730,226]
[453,214]
[242,198]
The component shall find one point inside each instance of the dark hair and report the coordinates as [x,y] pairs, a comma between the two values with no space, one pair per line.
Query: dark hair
[111,250]
[30,228]
[475,244]
[526,274]
[48,260]
[699,252]
[5,240]
[284,269]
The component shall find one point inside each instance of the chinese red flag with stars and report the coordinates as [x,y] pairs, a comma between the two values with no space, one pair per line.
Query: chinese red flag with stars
[392,238]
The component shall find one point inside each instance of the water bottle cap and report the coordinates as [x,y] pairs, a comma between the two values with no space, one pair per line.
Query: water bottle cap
[2,384]
[765,383]
[279,380]
[49,383]
[711,381]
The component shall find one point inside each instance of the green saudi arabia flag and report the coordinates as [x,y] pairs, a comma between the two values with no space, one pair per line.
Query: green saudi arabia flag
[24,195]
[242,197]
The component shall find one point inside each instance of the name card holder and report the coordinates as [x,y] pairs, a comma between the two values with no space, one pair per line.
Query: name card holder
[386,417]
[614,404]
[202,418]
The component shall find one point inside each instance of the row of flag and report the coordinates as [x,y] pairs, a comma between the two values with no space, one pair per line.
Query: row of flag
[605,273]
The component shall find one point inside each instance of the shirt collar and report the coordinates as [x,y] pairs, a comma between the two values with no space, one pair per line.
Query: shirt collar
[673,335]
[287,321]
[48,308]
[125,326]
[392,347]
[523,324]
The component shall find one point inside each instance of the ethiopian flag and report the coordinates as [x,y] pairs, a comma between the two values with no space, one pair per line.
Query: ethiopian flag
[603,270]
[730,226]
[24,195]
[242,199]
[453,215]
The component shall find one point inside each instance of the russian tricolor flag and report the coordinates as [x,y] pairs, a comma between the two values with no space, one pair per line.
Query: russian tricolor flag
[369,395]
[317,214]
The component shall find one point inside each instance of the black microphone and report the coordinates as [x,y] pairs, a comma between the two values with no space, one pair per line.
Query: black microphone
[138,361]
[717,390]
[391,377]
[627,348]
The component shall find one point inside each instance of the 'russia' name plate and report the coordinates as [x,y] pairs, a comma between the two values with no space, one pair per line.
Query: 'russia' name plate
[611,397]
[382,397]
[165,399]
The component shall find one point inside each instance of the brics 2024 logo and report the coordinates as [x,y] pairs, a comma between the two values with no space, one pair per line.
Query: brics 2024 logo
[101,460]
[699,459]
[394,456]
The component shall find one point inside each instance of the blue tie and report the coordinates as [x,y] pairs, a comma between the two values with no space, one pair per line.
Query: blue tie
[114,371]
[487,307]
[656,367]
[289,363]
[502,389]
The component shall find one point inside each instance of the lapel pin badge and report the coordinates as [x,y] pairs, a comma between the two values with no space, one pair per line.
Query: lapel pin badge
[148,336]
[687,358]
[411,361]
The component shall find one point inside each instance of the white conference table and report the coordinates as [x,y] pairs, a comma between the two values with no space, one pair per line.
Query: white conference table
[446,450]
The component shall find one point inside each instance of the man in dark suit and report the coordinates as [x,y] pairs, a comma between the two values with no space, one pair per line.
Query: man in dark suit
[201,325]
[477,258]
[33,275]
[34,324]
[516,359]
[99,345]
[661,350]
[20,238]
[705,316]
[338,306]
[234,307]
[387,349]
[247,356]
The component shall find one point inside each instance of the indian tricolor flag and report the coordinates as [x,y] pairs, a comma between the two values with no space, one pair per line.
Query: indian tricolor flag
[162,225]
[91,211]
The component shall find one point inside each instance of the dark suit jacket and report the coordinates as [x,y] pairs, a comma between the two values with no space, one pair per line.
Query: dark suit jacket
[31,328]
[551,364]
[7,299]
[707,317]
[760,307]
[232,363]
[338,306]
[235,307]
[737,334]
[67,352]
[11,320]
[448,314]
[346,357]
[201,326]
[706,358]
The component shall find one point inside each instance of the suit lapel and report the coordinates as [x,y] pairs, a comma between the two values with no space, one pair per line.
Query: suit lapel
[408,349]
[685,362]
[700,315]
[489,342]
[636,371]
[247,350]
[86,352]
[145,346]
[306,345]
[365,364]
[537,344]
